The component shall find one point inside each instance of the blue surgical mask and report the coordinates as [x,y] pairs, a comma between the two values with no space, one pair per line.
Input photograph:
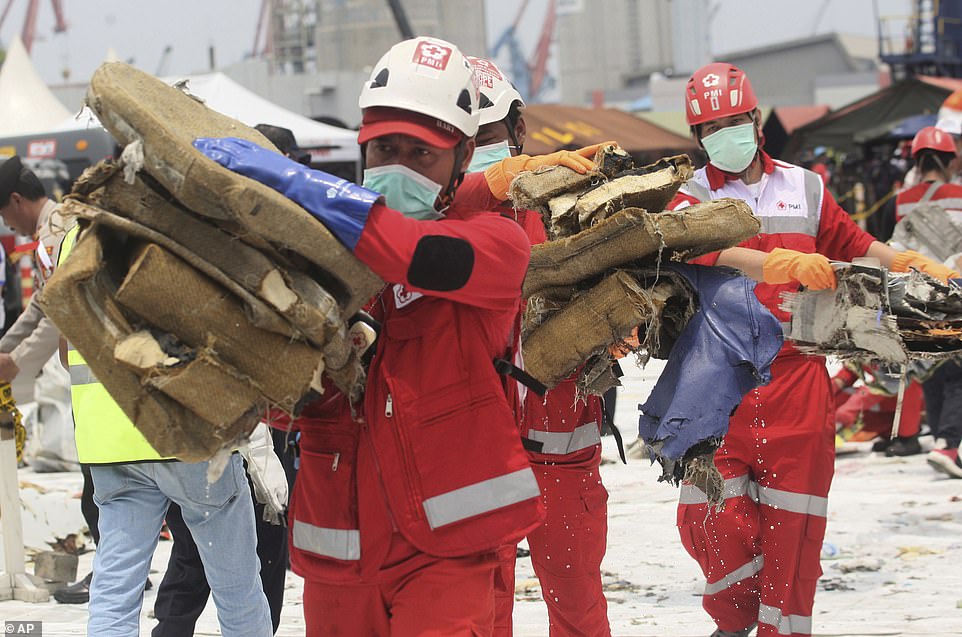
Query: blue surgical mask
[732,149]
[486,156]
[405,190]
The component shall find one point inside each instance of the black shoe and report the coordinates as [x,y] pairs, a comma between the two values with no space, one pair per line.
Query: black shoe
[882,444]
[908,446]
[520,552]
[76,593]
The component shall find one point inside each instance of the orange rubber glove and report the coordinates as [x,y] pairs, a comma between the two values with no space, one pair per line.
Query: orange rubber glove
[912,259]
[501,175]
[811,270]
[626,345]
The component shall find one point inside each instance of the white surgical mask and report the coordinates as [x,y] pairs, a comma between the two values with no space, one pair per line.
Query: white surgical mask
[407,191]
[732,149]
[488,155]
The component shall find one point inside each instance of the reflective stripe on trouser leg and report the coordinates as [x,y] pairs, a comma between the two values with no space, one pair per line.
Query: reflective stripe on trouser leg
[725,543]
[798,461]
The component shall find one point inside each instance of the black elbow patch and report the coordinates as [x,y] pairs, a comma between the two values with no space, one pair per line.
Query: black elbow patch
[441,263]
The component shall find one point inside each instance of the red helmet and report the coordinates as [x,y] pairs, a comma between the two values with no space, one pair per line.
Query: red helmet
[932,138]
[718,90]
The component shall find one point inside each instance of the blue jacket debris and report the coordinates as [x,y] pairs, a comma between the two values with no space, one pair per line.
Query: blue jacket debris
[724,351]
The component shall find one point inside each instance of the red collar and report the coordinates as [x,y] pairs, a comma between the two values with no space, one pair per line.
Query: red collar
[717,177]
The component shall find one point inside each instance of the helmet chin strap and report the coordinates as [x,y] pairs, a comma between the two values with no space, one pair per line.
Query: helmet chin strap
[457,176]
[943,169]
[512,134]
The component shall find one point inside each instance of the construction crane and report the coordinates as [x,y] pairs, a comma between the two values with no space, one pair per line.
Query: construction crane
[531,77]
[30,21]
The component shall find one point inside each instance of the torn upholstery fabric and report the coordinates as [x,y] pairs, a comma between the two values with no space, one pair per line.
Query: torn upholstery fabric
[724,351]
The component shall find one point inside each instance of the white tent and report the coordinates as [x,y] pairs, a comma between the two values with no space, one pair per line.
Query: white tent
[327,143]
[26,104]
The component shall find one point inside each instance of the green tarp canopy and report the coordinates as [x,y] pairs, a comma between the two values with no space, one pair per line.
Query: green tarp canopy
[844,129]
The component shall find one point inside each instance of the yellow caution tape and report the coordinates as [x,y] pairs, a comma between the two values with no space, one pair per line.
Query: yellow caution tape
[9,412]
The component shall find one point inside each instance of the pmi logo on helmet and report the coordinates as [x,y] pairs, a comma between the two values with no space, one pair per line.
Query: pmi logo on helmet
[432,54]
[486,72]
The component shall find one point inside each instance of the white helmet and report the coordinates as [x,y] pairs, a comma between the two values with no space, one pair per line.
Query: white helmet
[497,91]
[427,76]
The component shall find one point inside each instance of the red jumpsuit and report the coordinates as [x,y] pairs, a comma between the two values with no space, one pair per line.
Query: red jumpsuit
[563,437]
[760,555]
[399,507]
[875,407]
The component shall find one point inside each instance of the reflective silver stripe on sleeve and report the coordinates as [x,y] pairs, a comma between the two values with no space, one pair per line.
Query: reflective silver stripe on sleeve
[734,487]
[797,225]
[481,497]
[787,624]
[742,572]
[342,544]
[568,442]
[794,502]
[82,375]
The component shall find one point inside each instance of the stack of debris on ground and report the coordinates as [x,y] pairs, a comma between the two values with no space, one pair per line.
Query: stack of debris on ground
[608,268]
[199,298]
[879,316]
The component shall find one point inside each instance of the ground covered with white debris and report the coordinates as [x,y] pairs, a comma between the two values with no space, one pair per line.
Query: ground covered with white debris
[892,558]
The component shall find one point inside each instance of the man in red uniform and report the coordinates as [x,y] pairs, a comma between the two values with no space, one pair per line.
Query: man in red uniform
[401,502]
[560,431]
[760,554]
[936,163]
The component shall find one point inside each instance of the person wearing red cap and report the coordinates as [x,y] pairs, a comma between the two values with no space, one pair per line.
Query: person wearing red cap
[936,163]
[760,553]
[402,500]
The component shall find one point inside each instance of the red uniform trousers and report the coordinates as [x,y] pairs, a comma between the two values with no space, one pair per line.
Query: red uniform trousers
[566,551]
[878,410]
[760,554]
[420,596]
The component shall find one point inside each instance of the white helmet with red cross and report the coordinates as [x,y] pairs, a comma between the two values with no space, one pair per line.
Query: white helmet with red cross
[428,76]
[497,91]
[718,90]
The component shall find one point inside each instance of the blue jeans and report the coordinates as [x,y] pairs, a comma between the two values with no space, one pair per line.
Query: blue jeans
[133,500]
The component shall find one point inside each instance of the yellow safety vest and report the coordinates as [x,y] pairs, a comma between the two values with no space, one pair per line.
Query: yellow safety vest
[102,430]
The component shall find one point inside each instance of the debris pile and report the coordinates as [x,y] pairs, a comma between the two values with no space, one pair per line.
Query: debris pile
[196,296]
[599,275]
[615,261]
[879,316]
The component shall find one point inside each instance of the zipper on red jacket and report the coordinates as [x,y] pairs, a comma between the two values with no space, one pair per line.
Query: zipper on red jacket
[406,455]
